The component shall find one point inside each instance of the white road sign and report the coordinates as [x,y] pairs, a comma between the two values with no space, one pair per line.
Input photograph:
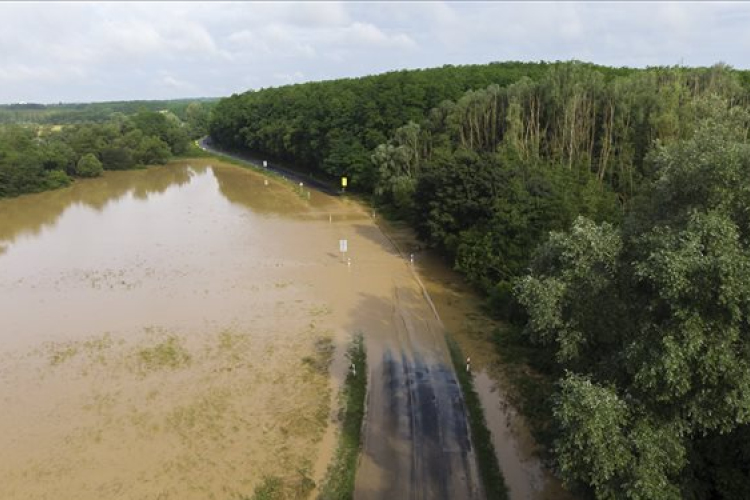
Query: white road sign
[342,245]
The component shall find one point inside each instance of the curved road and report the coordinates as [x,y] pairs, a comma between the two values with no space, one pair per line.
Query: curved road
[205,144]
[417,443]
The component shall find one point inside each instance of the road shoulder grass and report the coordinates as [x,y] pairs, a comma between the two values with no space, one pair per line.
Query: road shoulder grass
[339,481]
[489,468]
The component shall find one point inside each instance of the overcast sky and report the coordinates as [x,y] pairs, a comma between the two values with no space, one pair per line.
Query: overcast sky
[79,52]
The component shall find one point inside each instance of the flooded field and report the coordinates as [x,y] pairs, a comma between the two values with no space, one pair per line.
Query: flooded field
[178,333]
[166,333]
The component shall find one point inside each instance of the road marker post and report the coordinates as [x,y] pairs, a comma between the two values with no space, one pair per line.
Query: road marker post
[343,247]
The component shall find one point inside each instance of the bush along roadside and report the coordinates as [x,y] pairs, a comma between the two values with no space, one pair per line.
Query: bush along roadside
[489,468]
[339,481]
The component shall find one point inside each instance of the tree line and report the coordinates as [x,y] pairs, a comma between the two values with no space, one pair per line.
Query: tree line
[34,158]
[518,148]
[648,326]
[97,112]
[604,210]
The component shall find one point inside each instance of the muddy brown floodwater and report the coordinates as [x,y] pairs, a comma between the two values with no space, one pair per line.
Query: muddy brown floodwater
[166,333]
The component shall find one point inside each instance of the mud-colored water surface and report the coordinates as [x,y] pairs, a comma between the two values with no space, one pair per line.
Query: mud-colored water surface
[178,333]
[166,333]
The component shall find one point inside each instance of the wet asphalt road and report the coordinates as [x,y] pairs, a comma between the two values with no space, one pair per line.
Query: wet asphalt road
[205,144]
[417,443]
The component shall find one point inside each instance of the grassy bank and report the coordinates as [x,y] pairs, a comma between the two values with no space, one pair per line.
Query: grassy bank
[489,468]
[339,480]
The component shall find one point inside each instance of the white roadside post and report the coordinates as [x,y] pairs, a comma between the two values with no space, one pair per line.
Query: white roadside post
[265,164]
[343,247]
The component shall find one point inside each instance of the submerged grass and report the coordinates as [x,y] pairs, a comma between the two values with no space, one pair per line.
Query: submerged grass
[339,481]
[489,468]
[276,488]
[321,360]
[272,488]
[170,354]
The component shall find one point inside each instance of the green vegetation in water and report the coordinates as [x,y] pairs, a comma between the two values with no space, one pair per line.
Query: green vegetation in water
[169,354]
[339,481]
[313,423]
[207,416]
[300,484]
[481,437]
[63,353]
[92,349]
[272,488]
[276,488]
[321,360]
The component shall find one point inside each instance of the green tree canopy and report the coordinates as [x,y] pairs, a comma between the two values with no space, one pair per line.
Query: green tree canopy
[89,166]
[652,324]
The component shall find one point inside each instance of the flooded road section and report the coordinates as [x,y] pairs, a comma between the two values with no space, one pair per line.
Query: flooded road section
[460,310]
[416,438]
[166,333]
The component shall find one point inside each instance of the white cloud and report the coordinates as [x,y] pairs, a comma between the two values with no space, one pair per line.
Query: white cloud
[175,83]
[366,34]
[286,78]
[118,50]
[19,73]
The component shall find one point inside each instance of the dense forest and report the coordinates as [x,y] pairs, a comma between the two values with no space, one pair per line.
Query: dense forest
[604,210]
[36,158]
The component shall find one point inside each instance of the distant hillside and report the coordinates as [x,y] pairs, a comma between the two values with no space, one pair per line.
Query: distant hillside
[98,112]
